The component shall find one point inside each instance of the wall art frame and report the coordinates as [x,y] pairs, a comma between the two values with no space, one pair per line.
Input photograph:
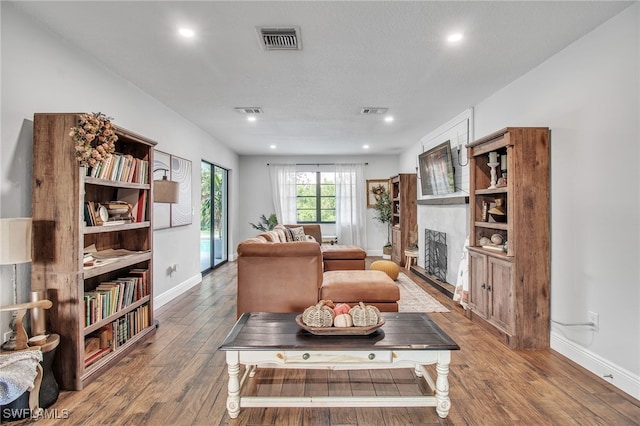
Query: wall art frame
[178,170]
[375,183]
[181,172]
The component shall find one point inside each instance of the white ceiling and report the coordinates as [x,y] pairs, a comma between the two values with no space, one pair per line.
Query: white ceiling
[355,54]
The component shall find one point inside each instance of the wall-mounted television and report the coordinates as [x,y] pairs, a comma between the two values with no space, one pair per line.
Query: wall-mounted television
[436,170]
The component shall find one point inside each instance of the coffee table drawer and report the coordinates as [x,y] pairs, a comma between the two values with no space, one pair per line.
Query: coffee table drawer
[314,357]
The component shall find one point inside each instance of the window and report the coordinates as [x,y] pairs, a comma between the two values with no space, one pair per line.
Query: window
[316,197]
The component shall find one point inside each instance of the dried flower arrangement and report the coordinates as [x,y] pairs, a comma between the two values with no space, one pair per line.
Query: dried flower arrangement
[378,190]
[95,138]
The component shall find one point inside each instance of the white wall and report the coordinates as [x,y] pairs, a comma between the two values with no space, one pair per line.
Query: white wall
[589,95]
[256,196]
[43,73]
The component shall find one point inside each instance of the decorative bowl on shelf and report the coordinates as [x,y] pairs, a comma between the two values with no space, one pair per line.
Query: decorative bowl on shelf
[498,217]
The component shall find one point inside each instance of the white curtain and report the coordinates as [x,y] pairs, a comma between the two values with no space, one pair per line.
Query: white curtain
[283,189]
[350,204]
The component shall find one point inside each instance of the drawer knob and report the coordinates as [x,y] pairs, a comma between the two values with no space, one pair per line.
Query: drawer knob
[305,356]
[372,356]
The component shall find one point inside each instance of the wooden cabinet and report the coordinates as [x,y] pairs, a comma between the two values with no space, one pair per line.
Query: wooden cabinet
[509,263]
[102,311]
[492,290]
[404,214]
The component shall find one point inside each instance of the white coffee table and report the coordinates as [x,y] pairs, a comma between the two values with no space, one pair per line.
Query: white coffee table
[273,340]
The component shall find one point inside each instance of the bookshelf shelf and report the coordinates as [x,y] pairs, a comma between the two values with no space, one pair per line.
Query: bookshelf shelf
[116,228]
[105,362]
[115,265]
[63,204]
[114,183]
[96,326]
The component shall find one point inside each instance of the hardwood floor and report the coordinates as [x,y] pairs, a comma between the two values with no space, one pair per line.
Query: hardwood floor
[178,377]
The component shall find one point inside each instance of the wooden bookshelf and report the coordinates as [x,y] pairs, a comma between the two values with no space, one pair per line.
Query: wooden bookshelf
[404,214]
[509,285]
[60,188]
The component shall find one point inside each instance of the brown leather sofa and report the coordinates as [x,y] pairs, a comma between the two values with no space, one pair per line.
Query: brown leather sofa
[336,257]
[289,277]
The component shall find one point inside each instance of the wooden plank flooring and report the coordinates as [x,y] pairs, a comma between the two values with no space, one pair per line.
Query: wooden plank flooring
[178,377]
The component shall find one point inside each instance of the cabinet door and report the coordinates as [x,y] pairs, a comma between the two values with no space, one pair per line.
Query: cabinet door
[477,283]
[500,289]
[396,243]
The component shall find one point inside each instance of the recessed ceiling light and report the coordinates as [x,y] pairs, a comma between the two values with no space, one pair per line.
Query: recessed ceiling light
[365,146]
[252,118]
[272,146]
[453,38]
[388,119]
[186,32]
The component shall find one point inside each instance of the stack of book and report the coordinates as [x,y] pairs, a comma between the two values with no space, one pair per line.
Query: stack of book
[122,168]
[111,296]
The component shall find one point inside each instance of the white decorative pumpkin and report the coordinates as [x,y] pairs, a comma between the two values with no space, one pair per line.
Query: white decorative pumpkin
[319,315]
[343,320]
[364,315]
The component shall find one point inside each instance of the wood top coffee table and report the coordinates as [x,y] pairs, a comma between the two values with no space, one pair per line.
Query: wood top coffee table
[274,340]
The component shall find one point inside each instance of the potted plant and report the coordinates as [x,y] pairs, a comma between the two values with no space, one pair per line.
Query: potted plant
[383,208]
[266,223]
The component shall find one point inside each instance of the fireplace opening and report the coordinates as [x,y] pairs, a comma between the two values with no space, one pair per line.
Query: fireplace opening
[435,254]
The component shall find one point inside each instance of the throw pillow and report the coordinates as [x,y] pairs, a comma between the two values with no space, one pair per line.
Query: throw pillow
[298,234]
[287,232]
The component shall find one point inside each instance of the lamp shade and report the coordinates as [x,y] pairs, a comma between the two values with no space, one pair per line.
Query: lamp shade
[15,240]
[165,191]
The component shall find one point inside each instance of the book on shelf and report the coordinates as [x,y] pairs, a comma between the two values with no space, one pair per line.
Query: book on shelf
[93,357]
[141,206]
[115,222]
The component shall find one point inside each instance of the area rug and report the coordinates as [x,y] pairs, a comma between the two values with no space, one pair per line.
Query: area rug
[415,299]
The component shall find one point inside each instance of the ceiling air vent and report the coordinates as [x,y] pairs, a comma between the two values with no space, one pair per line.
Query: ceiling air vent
[280,38]
[373,110]
[249,110]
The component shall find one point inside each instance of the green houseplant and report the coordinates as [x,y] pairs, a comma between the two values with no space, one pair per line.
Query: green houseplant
[383,208]
[266,223]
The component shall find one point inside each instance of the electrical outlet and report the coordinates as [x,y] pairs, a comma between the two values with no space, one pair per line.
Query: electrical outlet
[594,320]
[5,336]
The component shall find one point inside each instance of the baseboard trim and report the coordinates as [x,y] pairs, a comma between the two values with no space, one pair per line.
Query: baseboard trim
[176,291]
[621,378]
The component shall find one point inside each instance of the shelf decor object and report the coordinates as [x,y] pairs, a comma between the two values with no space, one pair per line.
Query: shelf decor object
[493,163]
[95,138]
[15,248]
[509,260]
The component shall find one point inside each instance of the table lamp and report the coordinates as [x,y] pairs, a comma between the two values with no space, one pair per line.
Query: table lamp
[15,248]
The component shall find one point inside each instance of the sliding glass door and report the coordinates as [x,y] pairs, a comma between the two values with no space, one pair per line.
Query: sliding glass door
[213,216]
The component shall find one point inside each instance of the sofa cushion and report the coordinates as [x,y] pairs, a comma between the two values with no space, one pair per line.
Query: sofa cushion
[342,252]
[287,232]
[358,286]
[298,234]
